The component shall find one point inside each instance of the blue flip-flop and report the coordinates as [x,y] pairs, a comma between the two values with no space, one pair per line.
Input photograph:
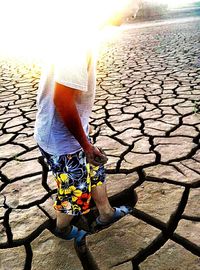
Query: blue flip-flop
[118,214]
[75,233]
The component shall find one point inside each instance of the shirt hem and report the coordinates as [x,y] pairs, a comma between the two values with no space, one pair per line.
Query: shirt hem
[46,149]
[73,85]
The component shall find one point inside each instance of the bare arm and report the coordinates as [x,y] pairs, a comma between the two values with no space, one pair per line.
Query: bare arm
[64,100]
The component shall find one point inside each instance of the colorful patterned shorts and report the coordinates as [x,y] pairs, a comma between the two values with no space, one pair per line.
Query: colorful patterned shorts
[75,178]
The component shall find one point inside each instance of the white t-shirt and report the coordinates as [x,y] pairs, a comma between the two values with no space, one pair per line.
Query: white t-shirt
[76,68]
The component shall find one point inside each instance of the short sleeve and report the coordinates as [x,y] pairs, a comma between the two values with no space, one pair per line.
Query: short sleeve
[71,69]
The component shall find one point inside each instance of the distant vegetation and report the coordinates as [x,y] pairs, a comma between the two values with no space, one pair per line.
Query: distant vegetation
[150,10]
[197,4]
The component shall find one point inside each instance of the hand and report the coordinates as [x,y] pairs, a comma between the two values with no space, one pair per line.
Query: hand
[95,156]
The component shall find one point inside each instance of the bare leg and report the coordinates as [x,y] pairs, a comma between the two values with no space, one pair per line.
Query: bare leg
[99,195]
[63,221]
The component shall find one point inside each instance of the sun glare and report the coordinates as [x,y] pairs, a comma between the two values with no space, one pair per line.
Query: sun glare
[35,28]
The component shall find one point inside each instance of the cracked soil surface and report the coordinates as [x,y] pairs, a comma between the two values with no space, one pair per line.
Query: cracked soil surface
[147,119]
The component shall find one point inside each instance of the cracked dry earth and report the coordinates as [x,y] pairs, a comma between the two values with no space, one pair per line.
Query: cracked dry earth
[146,117]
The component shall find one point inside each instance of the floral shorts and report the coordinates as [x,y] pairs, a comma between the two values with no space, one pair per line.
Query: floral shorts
[75,178]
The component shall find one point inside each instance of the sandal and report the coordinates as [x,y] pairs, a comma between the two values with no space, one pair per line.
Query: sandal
[118,214]
[75,233]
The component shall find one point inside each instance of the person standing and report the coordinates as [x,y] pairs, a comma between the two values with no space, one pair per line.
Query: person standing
[65,98]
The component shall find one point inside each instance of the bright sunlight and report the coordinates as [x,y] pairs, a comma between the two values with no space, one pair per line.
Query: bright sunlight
[34,28]
[37,28]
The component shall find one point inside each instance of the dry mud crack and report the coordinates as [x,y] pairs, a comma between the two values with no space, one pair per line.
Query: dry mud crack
[146,117]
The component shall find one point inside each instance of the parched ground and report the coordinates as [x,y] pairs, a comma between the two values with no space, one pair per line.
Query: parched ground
[147,119]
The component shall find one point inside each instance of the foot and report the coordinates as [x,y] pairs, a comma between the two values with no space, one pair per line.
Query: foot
[119,212]
[74,233]
[106,216]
